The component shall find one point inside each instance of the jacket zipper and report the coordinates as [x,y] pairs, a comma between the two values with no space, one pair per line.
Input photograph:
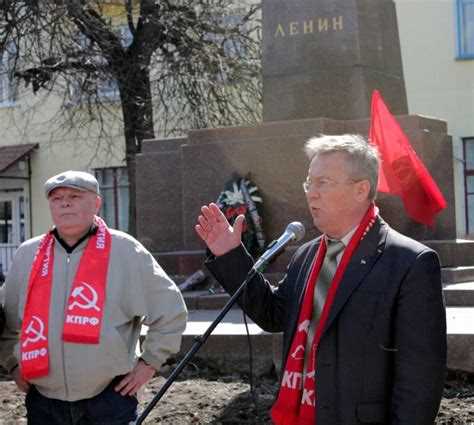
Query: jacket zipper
[66,296]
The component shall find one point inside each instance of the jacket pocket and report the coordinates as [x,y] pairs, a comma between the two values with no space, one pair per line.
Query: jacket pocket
[371,413]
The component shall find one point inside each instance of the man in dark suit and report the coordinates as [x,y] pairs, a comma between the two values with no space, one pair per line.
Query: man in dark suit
[361,307]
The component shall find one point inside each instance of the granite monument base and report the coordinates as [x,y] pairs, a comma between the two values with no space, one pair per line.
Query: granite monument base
[175,177]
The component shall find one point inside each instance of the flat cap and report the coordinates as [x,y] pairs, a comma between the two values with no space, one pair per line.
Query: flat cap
[74,179]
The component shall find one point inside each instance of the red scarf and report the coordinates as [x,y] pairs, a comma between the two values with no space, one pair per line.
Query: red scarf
[85,305]
[296,402]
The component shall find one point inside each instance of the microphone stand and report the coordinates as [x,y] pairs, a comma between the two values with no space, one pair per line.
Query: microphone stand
[198,342]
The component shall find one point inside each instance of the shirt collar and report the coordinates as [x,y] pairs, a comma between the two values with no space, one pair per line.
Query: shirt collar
[69,249]
[347,237]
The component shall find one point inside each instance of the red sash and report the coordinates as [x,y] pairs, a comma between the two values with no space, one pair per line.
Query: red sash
[296,402]
[85,305]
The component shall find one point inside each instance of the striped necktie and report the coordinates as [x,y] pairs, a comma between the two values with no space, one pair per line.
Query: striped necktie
[323,283]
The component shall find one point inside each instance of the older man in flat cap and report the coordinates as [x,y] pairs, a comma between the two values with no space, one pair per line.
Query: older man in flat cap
[76,299]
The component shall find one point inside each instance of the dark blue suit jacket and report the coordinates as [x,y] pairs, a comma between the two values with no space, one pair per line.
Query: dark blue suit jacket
[382,355]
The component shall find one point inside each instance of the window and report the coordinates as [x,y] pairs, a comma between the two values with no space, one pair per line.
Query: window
[7,82]
[468,146]
[12,217]
[107,88]
[6,222]
[22,220]
[114,189]
[13,224]
[465,25]
[231,19]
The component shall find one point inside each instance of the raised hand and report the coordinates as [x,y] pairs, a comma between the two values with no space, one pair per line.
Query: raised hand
[214,229]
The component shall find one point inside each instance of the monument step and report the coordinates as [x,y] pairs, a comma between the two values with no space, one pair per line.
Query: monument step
[460,324]
[181,262]
[204,300]
[453,253]
[456,295]
[208,299]
[451,275]
[456,256]
[185,263]
[459,294]
[227,346]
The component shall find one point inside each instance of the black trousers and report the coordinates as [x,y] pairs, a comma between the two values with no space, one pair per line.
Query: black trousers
[107,408]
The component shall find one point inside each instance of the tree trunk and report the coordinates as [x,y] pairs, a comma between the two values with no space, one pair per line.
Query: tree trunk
[137,112]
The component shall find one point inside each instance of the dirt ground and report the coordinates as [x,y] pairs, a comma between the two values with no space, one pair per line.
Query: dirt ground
[203,396]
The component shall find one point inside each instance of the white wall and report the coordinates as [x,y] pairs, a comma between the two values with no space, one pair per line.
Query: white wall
[31,121]
[437,84]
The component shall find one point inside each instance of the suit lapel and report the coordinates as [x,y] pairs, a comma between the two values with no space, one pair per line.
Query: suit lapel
[301,281]
[363,260]
[305,270]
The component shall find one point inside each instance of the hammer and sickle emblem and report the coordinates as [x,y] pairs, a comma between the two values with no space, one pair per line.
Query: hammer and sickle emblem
[35,328]
[87,302]
[304,326]
[297,353]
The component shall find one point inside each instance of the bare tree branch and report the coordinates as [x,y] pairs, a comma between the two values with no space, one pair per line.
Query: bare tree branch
[186,64]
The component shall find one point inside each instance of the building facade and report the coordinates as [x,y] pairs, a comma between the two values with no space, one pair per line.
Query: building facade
[437,45]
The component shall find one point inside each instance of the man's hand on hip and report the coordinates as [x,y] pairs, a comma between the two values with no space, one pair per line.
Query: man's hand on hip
[135,379]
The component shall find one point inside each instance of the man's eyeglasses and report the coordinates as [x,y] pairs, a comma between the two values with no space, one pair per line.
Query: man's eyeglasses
[323,184]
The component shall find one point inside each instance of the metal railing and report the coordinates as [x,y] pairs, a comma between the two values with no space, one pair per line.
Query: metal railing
[7,251]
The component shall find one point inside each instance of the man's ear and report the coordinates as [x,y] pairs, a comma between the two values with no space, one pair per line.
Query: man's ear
[362,190]
[98,203]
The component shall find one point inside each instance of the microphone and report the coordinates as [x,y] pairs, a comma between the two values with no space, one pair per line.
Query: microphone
[293,232]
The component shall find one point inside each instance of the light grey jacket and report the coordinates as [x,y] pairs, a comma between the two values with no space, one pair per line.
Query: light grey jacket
[138,292]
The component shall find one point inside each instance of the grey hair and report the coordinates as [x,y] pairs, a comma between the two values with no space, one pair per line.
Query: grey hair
[362,156]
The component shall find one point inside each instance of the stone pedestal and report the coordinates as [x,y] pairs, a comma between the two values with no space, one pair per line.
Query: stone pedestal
[323,58]
[176,177]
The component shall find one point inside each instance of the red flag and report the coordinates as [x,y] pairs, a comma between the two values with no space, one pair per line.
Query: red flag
[402,173]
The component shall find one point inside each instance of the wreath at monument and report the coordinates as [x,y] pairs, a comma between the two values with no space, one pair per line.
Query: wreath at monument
[242,196]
